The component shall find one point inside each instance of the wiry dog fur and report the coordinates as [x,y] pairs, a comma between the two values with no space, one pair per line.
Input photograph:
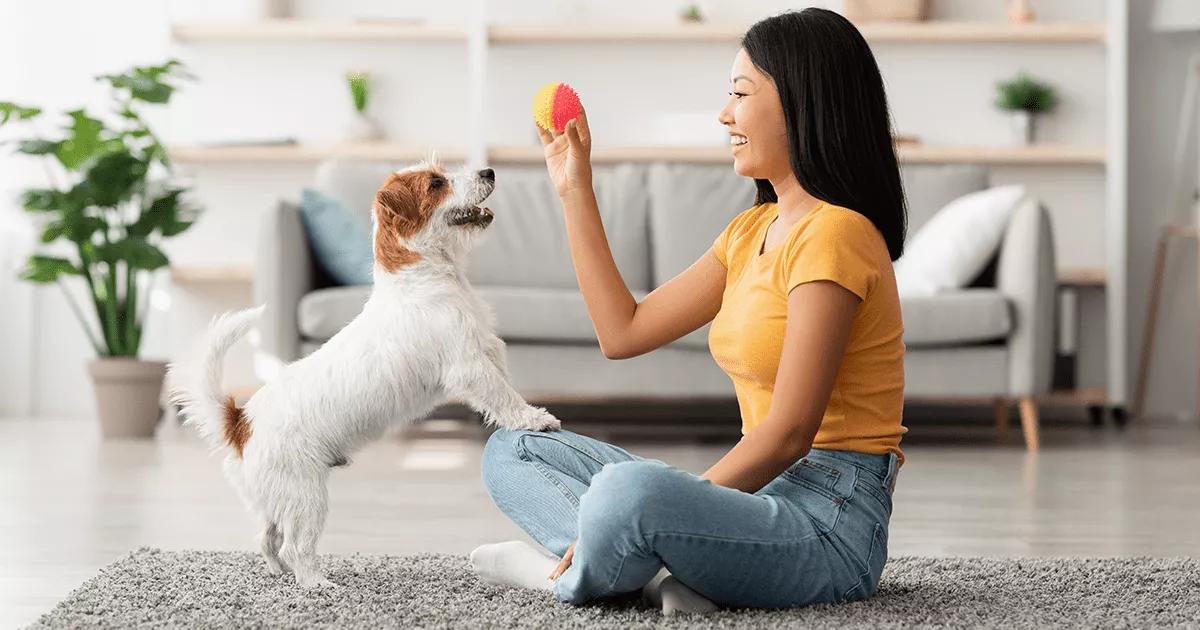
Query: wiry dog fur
[423,337]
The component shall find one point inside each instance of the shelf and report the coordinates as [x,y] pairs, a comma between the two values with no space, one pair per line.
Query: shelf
[614,33]
[895,32]
[200,274]
[1082,277]
[285,30]
[617,33]
[908,153]
[382,151]
[984,32]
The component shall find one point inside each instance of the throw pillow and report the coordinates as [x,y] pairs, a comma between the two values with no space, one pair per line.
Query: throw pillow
[957,242]
[341,240]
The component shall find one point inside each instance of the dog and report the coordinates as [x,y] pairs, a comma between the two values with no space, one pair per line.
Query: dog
[423,338]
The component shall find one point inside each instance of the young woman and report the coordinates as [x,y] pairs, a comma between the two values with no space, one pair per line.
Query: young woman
[806,322]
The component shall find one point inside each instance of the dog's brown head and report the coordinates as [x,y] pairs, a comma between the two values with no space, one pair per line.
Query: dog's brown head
[423,209]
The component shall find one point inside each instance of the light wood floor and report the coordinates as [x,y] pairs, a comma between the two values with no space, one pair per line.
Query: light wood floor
[70,504]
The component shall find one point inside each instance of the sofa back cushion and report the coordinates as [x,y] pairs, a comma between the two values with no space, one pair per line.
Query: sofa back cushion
[690,205]
[929,187]
[526,245]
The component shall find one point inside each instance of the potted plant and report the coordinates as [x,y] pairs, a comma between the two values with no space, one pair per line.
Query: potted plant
[109,201]
[362,127]
[1024,98]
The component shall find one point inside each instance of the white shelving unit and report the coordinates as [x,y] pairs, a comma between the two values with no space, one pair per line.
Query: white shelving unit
[1110,37]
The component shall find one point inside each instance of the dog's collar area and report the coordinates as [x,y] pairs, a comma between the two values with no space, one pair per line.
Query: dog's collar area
[470,216]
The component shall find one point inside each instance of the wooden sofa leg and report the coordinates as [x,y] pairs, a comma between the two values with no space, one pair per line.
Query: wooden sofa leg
[1000,409]
[1029,423]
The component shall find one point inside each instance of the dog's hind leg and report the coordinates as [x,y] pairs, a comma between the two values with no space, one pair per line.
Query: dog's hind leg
[303,519]
[270,539]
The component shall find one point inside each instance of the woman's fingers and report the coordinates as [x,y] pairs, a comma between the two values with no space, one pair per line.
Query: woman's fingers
[572,132]
[585,132]
[544,135]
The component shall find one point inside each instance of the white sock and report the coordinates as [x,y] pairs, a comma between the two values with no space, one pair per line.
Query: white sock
[672,596]
[514,563]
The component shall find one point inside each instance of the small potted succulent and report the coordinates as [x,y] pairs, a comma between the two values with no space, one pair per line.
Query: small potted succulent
[362,127]
[1024,98]
[109,201]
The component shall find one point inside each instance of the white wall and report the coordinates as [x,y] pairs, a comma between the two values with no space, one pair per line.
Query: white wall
[941,93]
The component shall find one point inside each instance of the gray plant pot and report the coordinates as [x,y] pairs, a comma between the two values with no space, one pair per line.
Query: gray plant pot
[127,393]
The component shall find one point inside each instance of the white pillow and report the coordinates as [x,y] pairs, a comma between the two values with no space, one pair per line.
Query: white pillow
[954,246]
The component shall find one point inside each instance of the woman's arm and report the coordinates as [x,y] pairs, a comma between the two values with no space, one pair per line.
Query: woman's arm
[820,316]
[624,327]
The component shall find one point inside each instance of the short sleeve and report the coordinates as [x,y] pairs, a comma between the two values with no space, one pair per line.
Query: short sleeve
[838,247]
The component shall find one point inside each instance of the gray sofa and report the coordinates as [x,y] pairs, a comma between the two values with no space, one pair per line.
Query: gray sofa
[993,340]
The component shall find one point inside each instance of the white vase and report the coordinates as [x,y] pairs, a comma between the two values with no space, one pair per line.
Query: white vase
[1021,124]
[363,128]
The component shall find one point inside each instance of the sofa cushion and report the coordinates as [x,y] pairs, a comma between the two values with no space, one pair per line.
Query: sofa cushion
[522,314]
[956,317]
[340,239]
[929,187]
[323,312]
[353,183]
[526,245]
[553,315]
[689,206]
[957,243]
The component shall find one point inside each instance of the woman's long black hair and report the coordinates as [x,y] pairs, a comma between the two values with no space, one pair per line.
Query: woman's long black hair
[838,126]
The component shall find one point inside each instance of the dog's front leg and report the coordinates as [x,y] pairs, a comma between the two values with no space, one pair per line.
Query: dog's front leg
[480,382]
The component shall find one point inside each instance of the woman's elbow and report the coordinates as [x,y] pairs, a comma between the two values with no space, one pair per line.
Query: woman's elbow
[614,353]
[617,351]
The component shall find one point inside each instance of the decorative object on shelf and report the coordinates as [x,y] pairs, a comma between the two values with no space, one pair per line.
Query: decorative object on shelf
[692,13]
[362,127]
[110,200]
[1020,11]
[885,10]
[554,105]
[1024,98]
[1174,16]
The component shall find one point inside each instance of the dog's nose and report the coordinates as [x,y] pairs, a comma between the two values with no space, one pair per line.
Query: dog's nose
[488,173]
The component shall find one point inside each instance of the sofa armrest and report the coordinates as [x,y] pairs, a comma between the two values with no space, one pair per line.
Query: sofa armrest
[1026,275]
[283,273]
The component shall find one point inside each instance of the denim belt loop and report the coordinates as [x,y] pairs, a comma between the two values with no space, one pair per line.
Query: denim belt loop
[889,482]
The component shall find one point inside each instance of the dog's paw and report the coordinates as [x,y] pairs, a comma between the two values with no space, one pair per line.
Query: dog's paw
[316,582]
[536,419]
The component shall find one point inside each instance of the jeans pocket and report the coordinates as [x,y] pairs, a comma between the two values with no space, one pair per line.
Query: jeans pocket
[876,557]
[826,488]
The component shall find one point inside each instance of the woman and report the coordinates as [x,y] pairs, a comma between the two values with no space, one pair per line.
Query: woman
[806,322]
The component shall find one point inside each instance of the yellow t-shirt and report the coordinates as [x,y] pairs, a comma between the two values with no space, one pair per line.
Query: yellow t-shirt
[746,337]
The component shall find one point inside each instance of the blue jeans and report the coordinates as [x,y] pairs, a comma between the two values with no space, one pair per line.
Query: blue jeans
[816,533]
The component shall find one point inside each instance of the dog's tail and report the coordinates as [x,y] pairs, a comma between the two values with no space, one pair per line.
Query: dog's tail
[195,386]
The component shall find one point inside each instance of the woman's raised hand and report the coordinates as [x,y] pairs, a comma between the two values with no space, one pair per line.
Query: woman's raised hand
[569,156]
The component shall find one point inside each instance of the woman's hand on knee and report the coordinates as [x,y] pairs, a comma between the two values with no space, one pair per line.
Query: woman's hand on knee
[565,562]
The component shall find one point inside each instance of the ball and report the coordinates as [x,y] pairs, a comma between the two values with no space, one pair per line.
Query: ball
[554,105]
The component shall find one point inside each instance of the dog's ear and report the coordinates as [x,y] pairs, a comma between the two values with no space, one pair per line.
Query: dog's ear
[398,216]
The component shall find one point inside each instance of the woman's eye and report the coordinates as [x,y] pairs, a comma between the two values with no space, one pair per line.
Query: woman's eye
[737,94]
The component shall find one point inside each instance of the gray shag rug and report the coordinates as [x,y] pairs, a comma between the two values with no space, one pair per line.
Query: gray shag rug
[205,589]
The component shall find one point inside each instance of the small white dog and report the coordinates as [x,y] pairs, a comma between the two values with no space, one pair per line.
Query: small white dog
[422,338]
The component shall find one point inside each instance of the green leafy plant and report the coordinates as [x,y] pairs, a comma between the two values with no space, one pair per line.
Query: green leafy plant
[1025,93]
[109,201]
[360,89]
[691,12]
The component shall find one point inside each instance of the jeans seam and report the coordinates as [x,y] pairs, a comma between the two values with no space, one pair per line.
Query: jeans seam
[523,454]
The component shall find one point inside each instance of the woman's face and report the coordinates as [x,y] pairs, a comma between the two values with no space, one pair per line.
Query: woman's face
[754,116]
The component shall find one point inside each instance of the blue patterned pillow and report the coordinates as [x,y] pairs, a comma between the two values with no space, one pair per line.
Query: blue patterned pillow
[341,240]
